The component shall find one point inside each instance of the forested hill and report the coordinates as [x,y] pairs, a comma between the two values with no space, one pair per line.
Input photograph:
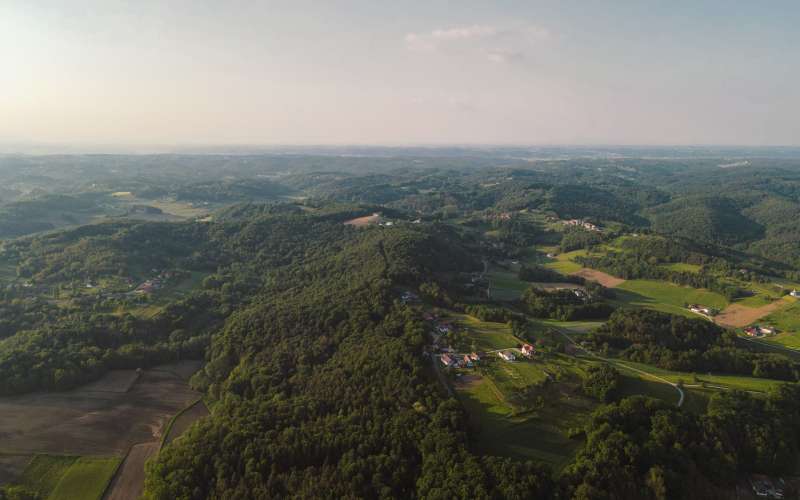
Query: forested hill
[321,389]
[315,370]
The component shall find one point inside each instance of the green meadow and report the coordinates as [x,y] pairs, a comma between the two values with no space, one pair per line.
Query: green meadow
[666,297]
[86,479]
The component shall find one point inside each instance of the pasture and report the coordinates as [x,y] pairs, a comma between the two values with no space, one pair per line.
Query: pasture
[666,297]
[539,434]
[484,335]
[738,315]
[505,285]
[787,321]
[563,262]
[86,479]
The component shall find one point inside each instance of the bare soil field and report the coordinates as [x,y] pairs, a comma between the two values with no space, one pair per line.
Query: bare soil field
[363,221]
[87,421]
[183,370]
[12,466]
[599,276]
[737,315]
[128,484]
[184,420]
[119,381]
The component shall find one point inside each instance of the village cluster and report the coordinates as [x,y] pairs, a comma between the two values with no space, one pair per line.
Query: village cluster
[153,284]
[581,223]
[452,359]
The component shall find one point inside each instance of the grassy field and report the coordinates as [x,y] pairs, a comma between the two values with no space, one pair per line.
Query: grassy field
[505,285]
[787,321]
[538,435]
[509,377]
[86,479]
[681,267]
[563,262]
[485,335]
[44,472]
[740,382]
[666,297]
[570,327]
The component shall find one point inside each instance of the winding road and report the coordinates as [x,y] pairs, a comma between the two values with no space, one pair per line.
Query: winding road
[681,394]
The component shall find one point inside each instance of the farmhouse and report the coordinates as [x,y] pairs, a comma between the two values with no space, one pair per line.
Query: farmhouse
[701,309]
[767,330]
[466,361]
[507,355]
[760,331]
[528,350]
[794,293]
[447,360]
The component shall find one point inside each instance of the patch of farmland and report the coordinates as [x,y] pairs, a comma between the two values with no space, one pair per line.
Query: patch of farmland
[184,420]
[738,315]
[128,484]
[45,471]
[666,297]
[12,467]
[505,285]
[540,436]
[86,479]
[88,422]
[604,279]
[486,335]
[119,381]
[363,221]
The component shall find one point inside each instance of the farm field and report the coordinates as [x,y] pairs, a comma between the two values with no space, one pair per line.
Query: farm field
[363,221]
[604,279]
[570,327]
[505,285]
[183,420]
[787,321]
[740,382]
[86,479]
[738,315]
[128,483]
[44,472]
[666,297]
[104,418]
[563,262]
[485,335]
[540,434]
[181,210]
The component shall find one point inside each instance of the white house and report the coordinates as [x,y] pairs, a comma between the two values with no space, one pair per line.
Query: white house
[507,355]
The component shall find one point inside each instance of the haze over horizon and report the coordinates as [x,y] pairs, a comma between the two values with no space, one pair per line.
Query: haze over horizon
[356,72]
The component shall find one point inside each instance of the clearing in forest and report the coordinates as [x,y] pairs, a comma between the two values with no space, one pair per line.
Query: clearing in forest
[363,221]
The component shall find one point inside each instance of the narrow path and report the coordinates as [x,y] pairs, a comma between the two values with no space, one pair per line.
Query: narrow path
[440,375]
[619,363]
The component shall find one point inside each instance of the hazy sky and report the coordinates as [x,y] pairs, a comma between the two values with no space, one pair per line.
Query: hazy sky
[400,72]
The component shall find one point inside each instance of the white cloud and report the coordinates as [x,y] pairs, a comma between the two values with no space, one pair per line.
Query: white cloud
[502,56]
[474,31]
[496,44]
[438,37]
